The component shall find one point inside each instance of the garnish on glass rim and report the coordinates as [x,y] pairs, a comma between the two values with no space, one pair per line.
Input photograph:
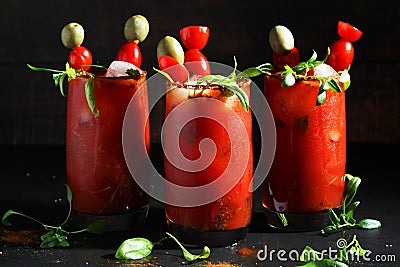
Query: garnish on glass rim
[300,72]
[56,235]
[139,248]
[70,73]
[229,82]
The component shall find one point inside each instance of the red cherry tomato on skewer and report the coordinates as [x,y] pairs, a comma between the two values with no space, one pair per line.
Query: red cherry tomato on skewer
[176,70]
[194,37]
[342,54]
[196,62]
[291,59]
[348,32]
[80,58]
[130,52]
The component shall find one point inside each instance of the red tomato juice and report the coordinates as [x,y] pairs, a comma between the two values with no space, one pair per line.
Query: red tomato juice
[307,174]
[232,210]
[96,170]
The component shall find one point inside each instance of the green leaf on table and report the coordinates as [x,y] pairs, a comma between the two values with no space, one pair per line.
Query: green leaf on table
[56,236]
[5,220]
[189,256]
[346,218]
[96,227]
[134,249]
[309,254]
[369,224]
[54,239]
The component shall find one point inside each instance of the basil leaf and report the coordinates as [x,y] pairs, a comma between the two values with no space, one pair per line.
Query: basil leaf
[369,224]
[350,212]
[313,57]
[69,193]
[189,256]
[134,249]
[321,98]
[344,76]
[288,80]
[252,72]
[333,217]
[4,220]
[90,96]
[96,227]
[334,85]
[353,182]
[227,83]
[309,254]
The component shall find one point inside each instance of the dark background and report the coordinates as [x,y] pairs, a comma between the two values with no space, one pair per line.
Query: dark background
[32,111]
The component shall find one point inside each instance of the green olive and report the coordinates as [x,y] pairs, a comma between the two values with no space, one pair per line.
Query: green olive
[136,28]
[72,35]
[171,47]
[281,40]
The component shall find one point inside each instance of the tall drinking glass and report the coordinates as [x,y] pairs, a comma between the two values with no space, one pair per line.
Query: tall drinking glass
[208,125]
[307,175]
[101,184]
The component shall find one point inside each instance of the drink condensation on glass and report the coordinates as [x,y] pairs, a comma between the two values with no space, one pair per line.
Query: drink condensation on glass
[225,220]
[307,176]
[101,184]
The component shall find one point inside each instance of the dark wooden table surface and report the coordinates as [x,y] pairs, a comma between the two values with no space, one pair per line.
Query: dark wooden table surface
[32,181]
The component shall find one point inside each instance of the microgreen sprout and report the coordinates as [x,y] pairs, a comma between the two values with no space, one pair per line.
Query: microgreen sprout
[314,258]
[346,218]
[56,236]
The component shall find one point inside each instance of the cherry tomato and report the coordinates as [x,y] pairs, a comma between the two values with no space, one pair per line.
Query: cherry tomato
[176,70]
[342,54]
[291,59]
[80,58]
[130,52]
[348,32]
[194,37]
[196,62]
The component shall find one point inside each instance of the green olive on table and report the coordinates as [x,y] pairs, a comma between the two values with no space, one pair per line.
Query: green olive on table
[136,28]
[171,47]
[281,40]
[72,35]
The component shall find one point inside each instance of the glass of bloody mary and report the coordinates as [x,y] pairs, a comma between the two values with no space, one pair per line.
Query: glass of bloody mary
[199,114]
[101,184]
[307,176]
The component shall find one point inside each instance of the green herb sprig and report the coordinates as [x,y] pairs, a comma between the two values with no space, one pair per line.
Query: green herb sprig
[70,73]
[229,82]
[346,218]
[139,248]
[56,235]
[314,258]
[300,71]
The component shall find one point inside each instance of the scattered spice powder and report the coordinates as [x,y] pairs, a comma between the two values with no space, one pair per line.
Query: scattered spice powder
[19,236]
[220,264]
[247,251]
